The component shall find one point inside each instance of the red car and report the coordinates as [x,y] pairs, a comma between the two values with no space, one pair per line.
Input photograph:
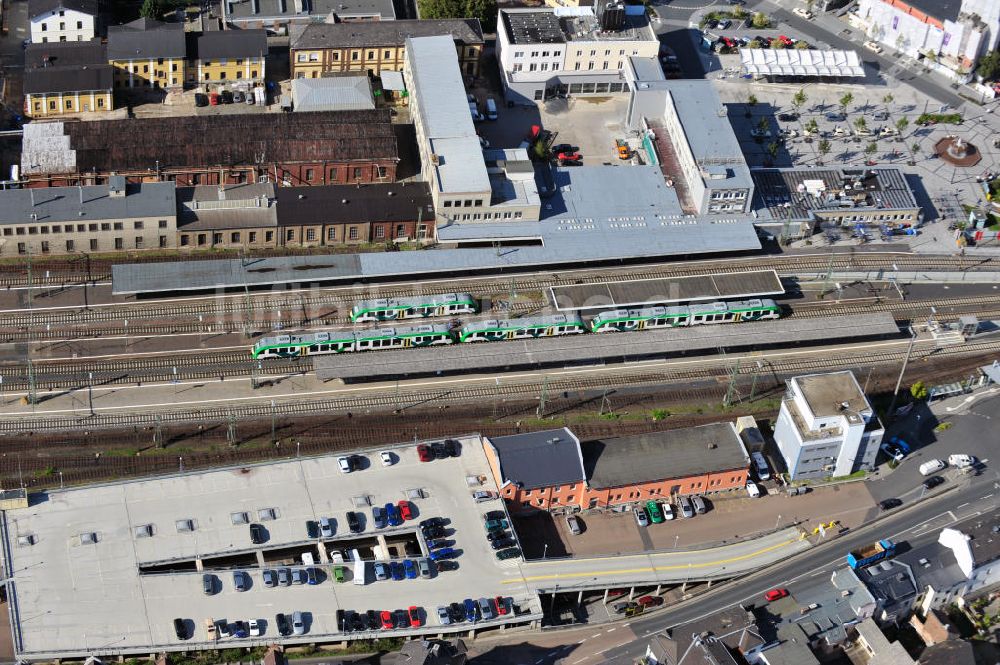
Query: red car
[787,41]
[650,601]
[213,99]
[414,614]
[501,605]
[387,623]
[404,509]
[775,594]
[569,156]
[424,452]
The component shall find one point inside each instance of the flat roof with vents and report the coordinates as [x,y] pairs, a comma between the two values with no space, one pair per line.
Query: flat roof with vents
[642,292]
[541,27]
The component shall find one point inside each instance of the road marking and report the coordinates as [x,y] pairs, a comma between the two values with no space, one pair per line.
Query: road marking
[627,624]
[595,635]
[610,630]
[962,506]
[986,497]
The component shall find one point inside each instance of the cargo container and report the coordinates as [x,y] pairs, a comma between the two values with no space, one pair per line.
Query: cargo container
[868,555]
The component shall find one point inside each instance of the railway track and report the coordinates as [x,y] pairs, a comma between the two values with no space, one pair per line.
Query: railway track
[389,400]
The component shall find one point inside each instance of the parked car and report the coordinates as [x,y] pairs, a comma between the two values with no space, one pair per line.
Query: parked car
[892,451]
[238,97]
[284,577]
[563,148]
[208,584]
[241,629]
[388,623]
[775,594]
[493,525]
[327,527]
[257,534]
[443,566]
[255,629]
[687,510]
[501,604]
[240,581]
[573,524]
[933,482]
[433,532]
[354,522]
[471,610]
[788,117]
[699,505]
[931,466]
[392,515]
[451,446]
[667,510]
[405,510]
[200,99]
[803,12]
[444,617]
[410,569]
[269,577]
[650,601]
[346,464]
[386,458]
[873,46]
[425,567]
[503,555]
[227,96]
[223,628]
[312,577]
[413,612]
[502,543]
[569,156]
[379,517]
[398,572]
[653,510]
[180,629]
[961,461]
[889,504]
[724,24]
[424,452]
[640,517]
[752,489]
[480,496]
[443,553]
[213,99]
[282,625]
[486,609]
[298,577]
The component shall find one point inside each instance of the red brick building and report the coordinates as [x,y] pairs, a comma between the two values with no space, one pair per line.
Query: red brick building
[552,470]
[288,149]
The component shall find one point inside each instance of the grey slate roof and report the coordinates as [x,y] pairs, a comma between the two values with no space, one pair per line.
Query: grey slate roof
[332,204]
[70,78]
[678,453]
[280,11]
[242,206]
[332,93]
[58,54]
[384,33]
[539,459]
[146,38]
[985,543]
[64,204]
[933,565]
[223,44]
[39,7]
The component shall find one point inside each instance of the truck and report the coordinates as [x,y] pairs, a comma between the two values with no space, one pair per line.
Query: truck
[623,150]
[870,554]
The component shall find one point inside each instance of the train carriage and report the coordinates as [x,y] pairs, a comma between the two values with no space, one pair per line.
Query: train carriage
[393,309]
[291,346]
[403,338]
[627,320]
[538,326]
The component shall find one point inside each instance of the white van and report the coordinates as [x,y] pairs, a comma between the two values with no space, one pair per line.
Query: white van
[753,490]
[307,559]
[760,465]
[961,461]
[491,108]
[931,466]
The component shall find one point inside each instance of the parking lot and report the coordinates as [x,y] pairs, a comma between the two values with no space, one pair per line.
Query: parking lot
[122,561]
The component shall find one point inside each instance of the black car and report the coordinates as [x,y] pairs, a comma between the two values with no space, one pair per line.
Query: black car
[433,532]
[562,147]
[257,534]
[341,623]
[200,99]
[353,522]
[356,622]
[180,629]
[889,504]
[495,515]
[502,544]
[227,97]
[496,535]
[431,521]
[933,482]
[402,619]
[439,450]
[312,528]
[281,622]
[374,623]
[570,162]
[445,565]
[452,447]
[788,117]
[456,612]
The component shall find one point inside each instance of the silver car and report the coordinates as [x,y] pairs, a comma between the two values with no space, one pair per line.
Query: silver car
[298,625]
[699,505]
[640,517]
[270,578]
[381,571]
[284,576]
[687,510]
[326,527]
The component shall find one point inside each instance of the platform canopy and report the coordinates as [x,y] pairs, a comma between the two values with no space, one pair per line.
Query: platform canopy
[801,62]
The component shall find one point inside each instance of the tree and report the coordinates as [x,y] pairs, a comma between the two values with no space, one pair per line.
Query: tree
[760,20]
[777,43]
[151,9]
[802,45]
[812,127]
[861,125]
[989,66]
[901,125]
[888,99]
[484,10]
[763,125]
[772,149]
[914,151]
[800,99]
[824,149]
[845,101]
[919,390]
[755,43]
[871,149]
[751,102]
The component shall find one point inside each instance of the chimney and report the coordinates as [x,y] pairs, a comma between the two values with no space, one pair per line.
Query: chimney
[298,6]
[116,186]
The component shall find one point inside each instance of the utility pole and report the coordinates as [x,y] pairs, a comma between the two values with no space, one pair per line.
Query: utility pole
[231,429]
[32,388]
[604,401]
[902,370]
[753,386]
[732,391]
[90,392]
[158,432]
[274,440]
[247,302]
[543,397]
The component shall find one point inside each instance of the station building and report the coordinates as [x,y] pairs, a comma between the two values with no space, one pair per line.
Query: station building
[289,149]
[826,427]
[553,470]
[797,202]
[62,78]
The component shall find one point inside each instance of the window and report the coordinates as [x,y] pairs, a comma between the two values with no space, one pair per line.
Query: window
[333,174]
[301,57]
[216,238]
[119,243]
[202,239]
[590,65]
[545,54]
[518,67]
[576,66]
[379,231]
[331,233]
[545,66]
[45,247]
[336,56]
[69,246]
[386,54]
[119,226]
[268,236]
[311,235]
[354,56]
[289,235]
[163,241]
[62,25]
[45,27]
[357,173]
[447,204]
[468,203]
[22,248]
[353,233]
[137,225]
[534,54]
[52,105]
[380,171]
[479,202]
[532,67]
[400,230]
[138,242]
[253,237]
[69,104]
[234,237]
[145,69]
[593,52]
[100,102]
[239,74]
[309,175]
[605,65]
[162,224]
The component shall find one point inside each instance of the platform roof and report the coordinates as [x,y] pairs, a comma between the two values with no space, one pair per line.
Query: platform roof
[641,292]
[600,348]
[801,62]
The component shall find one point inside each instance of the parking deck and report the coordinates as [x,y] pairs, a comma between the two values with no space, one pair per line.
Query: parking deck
[601,348]
[648,292]
[76,555]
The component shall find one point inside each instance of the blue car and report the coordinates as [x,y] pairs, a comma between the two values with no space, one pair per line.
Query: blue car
[398,572]
[410,569]
[392,514]
[443,553]
[902,445]
[471,610]
[378,517]
[437,544]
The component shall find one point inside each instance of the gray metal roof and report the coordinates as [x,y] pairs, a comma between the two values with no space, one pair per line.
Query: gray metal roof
[269,10]
[548,458]
[39,7]
[70,78]
[646,69]
[600,348]
[796,193]
[82,204]
[439,98]
[678,453]
[146,38]
[933,565]
[224,44]
[665,290]
[985,543]
[384,33]
[204,208]
[336,93]
[49,54]
[392,80]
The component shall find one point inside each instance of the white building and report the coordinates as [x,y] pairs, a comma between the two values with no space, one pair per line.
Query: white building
[826,427]
[62,20]
[570,50]
[947,36]
[976,545]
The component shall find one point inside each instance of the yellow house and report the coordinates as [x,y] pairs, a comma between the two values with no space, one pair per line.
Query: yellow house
[328,49]
[227,56]
[67,77]
[147,54]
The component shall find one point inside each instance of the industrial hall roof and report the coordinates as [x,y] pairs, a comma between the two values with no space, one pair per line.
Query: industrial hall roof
[223,44]
[94,202]
[68,78]
[384,33]
[679,453]
[146,38]
[340,204]
[39,7]
[332,93]
[202,141]
[539,459]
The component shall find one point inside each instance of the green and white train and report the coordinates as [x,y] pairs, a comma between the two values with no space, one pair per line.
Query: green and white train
[345,341]
[415,307]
